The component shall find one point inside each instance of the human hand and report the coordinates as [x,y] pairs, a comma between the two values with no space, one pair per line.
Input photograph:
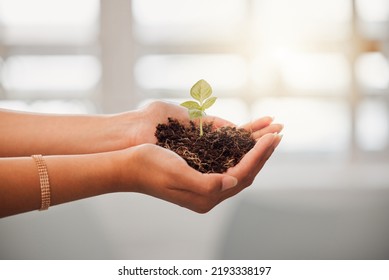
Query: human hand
[267,136]
[155,171]
[142,130]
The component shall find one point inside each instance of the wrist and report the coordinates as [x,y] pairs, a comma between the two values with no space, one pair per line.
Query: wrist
[122,130]
[123,170]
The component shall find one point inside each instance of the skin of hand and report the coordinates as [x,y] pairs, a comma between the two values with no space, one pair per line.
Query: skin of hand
[175,181]
[122,157]
[24,134]
[142,130]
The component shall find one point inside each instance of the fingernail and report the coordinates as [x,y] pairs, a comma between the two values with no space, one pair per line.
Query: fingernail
[229,182]
[279,136]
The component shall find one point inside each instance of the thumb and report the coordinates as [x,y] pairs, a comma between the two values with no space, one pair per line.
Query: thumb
[207,184]
[228,182]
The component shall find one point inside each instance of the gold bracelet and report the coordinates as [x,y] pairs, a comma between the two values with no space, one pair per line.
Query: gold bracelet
[44,181]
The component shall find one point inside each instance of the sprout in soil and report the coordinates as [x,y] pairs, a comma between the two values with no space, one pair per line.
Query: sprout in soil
[201,92]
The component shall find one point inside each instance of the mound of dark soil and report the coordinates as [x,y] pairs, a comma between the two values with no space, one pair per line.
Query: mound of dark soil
[214,152]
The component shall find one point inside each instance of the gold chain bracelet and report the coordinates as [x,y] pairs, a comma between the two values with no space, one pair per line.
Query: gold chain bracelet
[44,181]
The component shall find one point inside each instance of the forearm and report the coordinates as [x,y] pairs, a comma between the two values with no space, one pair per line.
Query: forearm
[71,178]
[24,134]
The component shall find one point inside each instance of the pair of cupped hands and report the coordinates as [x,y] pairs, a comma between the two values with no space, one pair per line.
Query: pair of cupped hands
[164,174]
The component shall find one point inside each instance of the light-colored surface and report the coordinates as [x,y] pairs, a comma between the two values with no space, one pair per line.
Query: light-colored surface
[290,212]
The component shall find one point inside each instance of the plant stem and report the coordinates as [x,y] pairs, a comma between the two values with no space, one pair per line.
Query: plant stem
[201,127]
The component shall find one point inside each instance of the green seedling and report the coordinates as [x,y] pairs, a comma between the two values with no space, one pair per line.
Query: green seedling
[201,92]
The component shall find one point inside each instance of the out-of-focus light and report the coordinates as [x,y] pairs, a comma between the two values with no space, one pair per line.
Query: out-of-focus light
[310,125]
[372,125]
[50,106]
[284,21]
[372,71]
[51,73]
[189,21]
[48,12]
[373,10]
[325,73]
[189,12]
[49,21]
[180,72]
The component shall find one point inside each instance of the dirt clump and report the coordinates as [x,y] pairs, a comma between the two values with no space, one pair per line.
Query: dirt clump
[213,152]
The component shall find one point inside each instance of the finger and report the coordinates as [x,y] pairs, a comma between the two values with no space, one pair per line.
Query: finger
[209,184]
[189,179]
[270,151]
[253,161]
[258,124]
[218,122]
[263,159]
[196,202]
[251,164]
[272,128]
[205,191]
[202,192]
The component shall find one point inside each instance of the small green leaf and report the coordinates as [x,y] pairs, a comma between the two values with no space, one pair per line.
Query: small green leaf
[191,105]
[208,103]
[194,113]
[201,91]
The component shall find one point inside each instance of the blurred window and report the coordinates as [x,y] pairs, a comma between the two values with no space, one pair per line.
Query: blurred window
[372,125]
[49,55]
[310,63]
[320,66]
[228,72]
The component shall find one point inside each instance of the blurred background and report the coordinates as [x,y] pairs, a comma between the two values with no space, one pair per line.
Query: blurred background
[319,66]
